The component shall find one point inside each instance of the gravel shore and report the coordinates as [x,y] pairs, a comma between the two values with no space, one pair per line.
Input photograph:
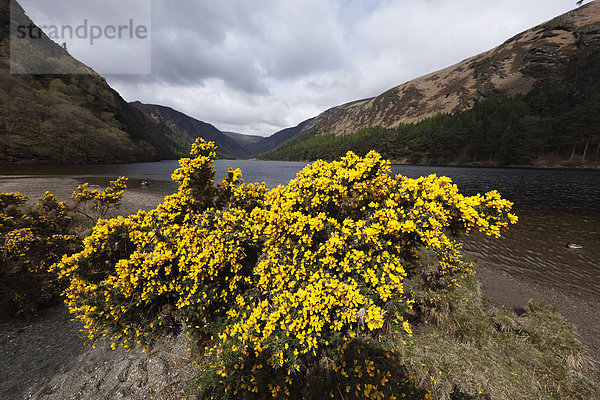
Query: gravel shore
[135,197]
[44,357]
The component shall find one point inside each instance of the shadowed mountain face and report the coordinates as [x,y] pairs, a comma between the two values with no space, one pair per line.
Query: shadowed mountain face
[242,138]
[181,130]
[554,53]
[64,118]
[278,138]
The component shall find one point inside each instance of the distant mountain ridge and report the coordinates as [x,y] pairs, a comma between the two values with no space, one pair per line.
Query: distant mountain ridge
[279,138]
[180,130]
[548,54]
[243,138]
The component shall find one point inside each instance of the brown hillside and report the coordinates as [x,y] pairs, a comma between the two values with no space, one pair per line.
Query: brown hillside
[537,57]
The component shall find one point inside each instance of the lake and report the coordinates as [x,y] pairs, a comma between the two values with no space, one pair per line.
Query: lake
[554,207]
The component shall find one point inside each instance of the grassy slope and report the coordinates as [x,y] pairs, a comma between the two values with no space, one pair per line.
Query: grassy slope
[463,350]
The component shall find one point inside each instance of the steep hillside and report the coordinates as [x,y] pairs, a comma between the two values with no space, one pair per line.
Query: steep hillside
[181,130]
[65,118]
[243,138]
[554,53]
[279,138]
[546,127]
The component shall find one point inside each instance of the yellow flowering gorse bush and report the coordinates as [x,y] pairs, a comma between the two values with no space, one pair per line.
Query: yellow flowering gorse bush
[276,284]
[95,204]
[32,238]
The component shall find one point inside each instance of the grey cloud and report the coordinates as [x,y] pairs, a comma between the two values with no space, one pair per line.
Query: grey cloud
[258,66]
[243,46]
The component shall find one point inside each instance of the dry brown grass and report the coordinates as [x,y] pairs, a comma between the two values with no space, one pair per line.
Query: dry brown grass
[462,350]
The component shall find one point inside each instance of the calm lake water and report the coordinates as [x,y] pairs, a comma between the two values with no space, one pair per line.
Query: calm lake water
[554,207]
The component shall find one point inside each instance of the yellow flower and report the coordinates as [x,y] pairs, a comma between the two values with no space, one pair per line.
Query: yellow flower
[275,276]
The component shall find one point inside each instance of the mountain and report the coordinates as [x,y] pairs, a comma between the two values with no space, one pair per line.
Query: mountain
[533,99]
[547,54]
[64,118]
[279,138]
[181,130]
[78,118]
[256,145]
[243,138]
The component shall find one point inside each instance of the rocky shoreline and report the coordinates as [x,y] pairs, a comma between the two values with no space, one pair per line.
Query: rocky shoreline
[45,358]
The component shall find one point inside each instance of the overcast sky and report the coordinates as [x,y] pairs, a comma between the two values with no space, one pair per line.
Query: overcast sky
[256,67]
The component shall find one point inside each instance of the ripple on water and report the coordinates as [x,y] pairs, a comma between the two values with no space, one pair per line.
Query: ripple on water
[536,247]
[554,207]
